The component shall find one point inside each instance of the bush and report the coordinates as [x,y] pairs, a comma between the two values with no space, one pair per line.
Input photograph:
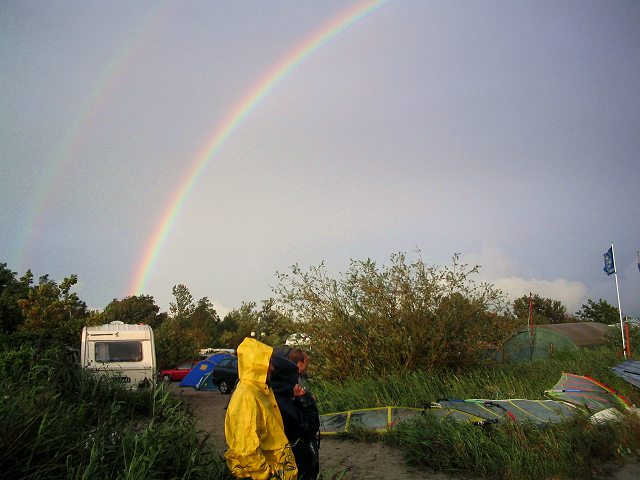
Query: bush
[375,321]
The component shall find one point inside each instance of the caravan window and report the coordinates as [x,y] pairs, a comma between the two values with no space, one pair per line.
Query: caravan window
[118,351]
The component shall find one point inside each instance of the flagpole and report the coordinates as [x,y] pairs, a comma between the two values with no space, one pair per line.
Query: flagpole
[615,273]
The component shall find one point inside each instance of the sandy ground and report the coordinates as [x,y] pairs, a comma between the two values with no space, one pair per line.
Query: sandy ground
[339,459]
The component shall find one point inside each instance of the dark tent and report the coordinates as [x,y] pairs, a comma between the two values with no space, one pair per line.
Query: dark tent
[555,337]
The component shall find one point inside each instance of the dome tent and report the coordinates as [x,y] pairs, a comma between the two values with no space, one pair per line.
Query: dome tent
[554,337]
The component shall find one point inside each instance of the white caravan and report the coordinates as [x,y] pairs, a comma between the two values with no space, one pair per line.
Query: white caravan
[120,350]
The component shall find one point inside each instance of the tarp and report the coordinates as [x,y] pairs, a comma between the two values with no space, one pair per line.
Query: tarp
[194,377]
[630,371]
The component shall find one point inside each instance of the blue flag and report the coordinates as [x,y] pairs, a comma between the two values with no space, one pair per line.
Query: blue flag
[609,267]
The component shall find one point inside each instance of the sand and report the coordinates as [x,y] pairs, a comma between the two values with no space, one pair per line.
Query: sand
[339,459]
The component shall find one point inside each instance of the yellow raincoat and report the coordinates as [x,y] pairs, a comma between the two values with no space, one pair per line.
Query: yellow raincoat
[258,447]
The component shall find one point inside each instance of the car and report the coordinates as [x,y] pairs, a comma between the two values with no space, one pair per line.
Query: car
[178,373]
[225,374]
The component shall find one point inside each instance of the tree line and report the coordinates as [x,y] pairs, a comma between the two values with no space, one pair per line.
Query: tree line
[369,320]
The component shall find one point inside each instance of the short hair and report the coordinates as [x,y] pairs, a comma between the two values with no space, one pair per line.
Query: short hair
[297,355]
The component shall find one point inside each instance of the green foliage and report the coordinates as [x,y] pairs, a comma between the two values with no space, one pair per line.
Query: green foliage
[174,344]
[498,381]
[600,311]
[135,309]
[268,324]
[545,310]
[374,321]
[52,310]
[183,307]
[11,291]
[59,422]
[573,449]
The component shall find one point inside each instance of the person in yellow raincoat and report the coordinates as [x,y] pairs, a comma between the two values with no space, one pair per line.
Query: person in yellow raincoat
[253,428]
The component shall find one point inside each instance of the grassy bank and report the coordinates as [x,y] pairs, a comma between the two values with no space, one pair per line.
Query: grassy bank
[571,449]
[509,380]
[58,422]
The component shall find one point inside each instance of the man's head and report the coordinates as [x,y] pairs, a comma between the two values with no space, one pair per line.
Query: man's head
[300,358]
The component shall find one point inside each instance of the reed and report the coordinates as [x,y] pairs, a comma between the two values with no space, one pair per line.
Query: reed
[58,422]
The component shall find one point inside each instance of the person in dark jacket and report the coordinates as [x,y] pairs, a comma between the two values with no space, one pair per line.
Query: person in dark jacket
[299,416]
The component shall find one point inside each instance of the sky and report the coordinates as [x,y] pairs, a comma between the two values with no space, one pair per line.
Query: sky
[214,143]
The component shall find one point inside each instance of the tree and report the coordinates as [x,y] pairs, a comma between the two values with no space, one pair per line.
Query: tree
[135,309]
[545,310]
[54,311]
[203,322]
[174,344]
[183,307]
[12,290]
[375,320]
[600,311]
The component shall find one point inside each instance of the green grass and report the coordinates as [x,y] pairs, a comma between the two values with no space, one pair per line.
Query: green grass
[58,422]
[572,449]
[514,380]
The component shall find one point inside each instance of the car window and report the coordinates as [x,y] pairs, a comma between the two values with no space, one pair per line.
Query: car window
[224,362]
[184,366]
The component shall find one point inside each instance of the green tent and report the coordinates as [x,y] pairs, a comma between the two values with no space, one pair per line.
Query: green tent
[551,338]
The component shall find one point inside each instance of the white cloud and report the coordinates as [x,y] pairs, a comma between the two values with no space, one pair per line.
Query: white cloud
[503,272]
[572,294]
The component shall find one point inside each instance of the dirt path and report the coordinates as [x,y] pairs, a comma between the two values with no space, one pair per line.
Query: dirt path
[339,459]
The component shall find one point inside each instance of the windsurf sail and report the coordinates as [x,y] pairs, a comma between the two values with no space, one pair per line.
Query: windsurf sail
[629,371]
[379,419]
[586,392]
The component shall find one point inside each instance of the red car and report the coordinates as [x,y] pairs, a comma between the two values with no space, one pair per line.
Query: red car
[178,373]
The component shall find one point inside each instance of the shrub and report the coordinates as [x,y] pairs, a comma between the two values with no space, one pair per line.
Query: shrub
[374,321]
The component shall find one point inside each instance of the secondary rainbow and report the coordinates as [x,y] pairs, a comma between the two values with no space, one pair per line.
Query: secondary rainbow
[231,123]
[68,149]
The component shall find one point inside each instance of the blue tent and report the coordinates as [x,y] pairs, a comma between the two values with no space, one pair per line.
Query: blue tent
[201,369]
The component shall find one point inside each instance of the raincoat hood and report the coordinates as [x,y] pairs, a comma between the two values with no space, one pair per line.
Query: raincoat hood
[284,376]
[253,360]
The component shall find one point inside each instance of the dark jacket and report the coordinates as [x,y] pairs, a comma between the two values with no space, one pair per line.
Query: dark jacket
[299,416]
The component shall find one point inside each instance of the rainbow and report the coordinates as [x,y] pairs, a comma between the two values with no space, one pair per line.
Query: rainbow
[235,117]
[67,150]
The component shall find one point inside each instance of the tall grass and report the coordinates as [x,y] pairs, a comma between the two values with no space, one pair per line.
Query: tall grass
[497,381]
[57,421]
[572,449]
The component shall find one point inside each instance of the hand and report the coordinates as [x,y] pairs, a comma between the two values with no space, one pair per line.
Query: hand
[298,390]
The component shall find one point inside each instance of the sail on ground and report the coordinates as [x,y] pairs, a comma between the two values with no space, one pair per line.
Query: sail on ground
[379,419]
[569,395]
[586,392]
[476,411]
[629,371]
[539,412]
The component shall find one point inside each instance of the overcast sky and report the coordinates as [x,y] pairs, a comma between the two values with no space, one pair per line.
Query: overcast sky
[506,131]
